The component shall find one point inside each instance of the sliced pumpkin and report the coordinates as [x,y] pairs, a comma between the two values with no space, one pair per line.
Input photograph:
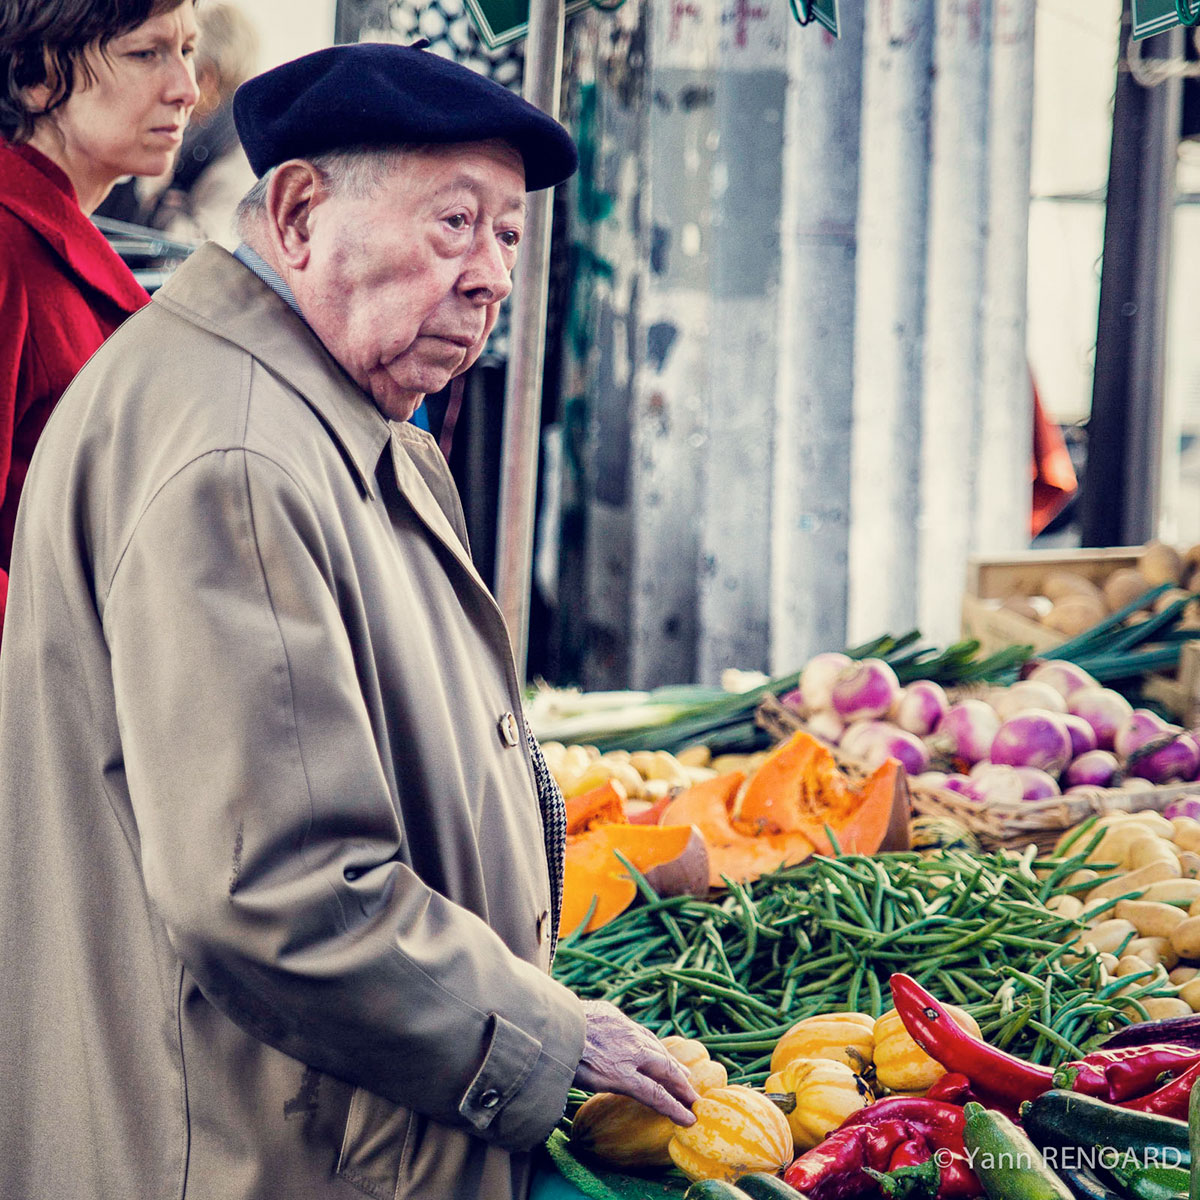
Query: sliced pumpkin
[593,872]
[603,805]
[732,854]
[800,789]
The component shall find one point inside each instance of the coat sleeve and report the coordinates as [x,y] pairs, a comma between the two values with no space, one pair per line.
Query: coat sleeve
[268,837]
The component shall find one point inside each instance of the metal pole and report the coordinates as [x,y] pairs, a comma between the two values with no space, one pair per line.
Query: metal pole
[1119,494]
[523,387]
[950,441]
[893,211]
[1006,420]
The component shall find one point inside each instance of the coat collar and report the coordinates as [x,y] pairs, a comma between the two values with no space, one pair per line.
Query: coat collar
[38,192]
[215,291]
[218,293]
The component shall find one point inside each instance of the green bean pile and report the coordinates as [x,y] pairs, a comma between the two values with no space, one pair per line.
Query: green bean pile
[739,971]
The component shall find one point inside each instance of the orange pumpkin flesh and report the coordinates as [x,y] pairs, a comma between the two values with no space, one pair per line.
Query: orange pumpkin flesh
[600,806]
[800,789]
[593,871]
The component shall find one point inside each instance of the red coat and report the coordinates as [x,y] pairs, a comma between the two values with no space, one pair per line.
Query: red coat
[63,290]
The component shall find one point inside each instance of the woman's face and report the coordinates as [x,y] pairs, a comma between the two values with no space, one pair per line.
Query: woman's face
[129,118]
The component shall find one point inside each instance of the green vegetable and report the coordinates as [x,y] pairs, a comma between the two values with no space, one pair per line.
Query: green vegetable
[1062,1118]
[761,1186]
[714,1189]
[826,936]
[1148,1181]
[1006,1162]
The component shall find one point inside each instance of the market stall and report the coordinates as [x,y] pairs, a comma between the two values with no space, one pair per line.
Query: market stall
[901,912]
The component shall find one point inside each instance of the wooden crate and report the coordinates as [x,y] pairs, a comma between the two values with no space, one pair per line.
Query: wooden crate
[991,580]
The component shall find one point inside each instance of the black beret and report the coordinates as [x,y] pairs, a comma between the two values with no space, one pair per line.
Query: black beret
[380,94]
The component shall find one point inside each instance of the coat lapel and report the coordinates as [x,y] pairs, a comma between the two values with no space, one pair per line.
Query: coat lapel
[416,491]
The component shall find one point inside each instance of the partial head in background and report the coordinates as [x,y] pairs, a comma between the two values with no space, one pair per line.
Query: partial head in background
[392,201]
[102,87]
[226,54]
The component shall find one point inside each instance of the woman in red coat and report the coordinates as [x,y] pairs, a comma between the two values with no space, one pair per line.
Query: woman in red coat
[90,91]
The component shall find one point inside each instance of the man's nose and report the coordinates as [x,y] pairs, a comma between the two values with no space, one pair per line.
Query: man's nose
[487,276]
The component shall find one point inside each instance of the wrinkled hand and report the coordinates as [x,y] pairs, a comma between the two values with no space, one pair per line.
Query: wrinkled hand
[621,1056]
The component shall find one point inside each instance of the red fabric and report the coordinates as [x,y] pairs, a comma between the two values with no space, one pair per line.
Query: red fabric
[63,290]
[1054,481]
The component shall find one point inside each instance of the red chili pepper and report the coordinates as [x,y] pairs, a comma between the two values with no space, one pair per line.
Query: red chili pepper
[1134,1075]
[1171,1100]
[1116,1075]
[835,1169]
[953,1087]
[940,1121]
[992,1072]
[959,1182]
[910,1153]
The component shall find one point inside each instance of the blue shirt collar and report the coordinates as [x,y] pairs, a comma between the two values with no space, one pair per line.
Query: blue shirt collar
[268,275]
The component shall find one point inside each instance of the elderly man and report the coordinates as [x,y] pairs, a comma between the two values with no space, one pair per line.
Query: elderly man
[282,867]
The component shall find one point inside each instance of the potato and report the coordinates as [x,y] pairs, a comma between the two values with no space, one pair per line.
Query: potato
[1150,918]
[1132,964]
[1186,834]
[1163,1008]
[1134,881]
[1185,937]
[1174,891]
[700,774]
[696,755]
[1160,563]
[1074,615]
[1190,993]
[1153,950]
[1115,845]
[1123,587]
[1182,975]
[654,789]
[724,763]
[1153,821]
[553,753]
[1023,606]
[1151,848]
[1111,936]
[1065,905]
[1058,585]
[1083,875]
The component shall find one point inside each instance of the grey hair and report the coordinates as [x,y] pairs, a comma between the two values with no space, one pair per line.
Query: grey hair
[228,44]
[358,173]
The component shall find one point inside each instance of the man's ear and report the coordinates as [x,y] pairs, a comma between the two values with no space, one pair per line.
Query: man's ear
[296,188]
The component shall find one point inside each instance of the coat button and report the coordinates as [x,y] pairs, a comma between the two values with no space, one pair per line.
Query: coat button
[543,927]
[489,1099]
[510,731]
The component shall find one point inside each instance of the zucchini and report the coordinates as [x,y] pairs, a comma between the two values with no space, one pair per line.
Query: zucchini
[1062,1118]
[713,1189]
[761,1186]
[1086,1185]
[1006,1162]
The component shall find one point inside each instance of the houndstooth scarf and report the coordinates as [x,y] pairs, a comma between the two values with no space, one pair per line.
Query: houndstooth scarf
[554,828]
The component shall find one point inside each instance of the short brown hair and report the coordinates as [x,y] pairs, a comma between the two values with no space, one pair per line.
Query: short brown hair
[44,41]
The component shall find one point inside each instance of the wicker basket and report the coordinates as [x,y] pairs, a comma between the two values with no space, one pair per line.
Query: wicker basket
[999,824]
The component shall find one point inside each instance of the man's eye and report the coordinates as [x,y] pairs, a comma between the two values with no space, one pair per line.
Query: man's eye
[458,221]
[510,238]
[142,55]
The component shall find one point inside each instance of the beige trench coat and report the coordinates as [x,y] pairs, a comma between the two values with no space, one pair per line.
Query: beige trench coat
[274,907]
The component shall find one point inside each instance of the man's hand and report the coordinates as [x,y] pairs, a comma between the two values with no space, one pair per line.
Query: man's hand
[621,1056]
